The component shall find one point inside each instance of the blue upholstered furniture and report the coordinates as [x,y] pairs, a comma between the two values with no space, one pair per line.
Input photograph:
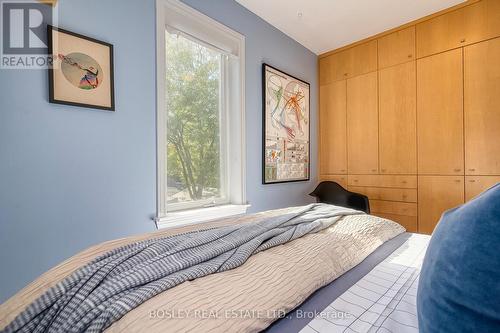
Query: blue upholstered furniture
[459,286]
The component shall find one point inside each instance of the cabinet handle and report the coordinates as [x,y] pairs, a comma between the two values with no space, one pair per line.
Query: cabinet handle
[383,170]
[355,180]
[374,170]
[458,181]
[458,170]
[345,74]
[404,182]
[343,170]
[462,40]
[472,169]
[472,181]
[404,196]
[410,55]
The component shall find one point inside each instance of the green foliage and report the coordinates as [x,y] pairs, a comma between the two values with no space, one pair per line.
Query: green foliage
[192,84]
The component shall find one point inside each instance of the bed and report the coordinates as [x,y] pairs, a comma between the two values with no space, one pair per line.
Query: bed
[359,274]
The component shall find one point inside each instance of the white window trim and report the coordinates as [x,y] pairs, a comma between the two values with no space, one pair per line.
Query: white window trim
[236,123]
[200,215]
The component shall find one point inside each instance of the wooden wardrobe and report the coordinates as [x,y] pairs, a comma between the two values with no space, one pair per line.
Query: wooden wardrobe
[411,117]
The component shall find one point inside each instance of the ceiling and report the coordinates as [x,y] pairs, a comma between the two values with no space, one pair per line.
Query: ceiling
[324,25]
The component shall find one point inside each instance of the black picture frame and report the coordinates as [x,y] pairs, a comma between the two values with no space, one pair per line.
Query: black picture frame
[52,99]
[264,182]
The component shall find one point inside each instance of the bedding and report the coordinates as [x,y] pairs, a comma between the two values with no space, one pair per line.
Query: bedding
[297,319]
[253,295]
[383,300]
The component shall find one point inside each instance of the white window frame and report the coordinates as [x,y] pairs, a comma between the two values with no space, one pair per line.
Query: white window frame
[173,14]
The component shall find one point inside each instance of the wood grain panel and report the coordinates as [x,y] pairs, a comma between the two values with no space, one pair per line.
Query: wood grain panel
[362,124]
[465,26]
[390,194]
[340,179]
[393,207]
[334,67]
[363,59]
[352,62]
[408,222]
[396,48]
[395,181]
[482,108]
[333,128]
[398,119]
[481,21]
[440,114]
[475,185]
[441,33]
[436,194]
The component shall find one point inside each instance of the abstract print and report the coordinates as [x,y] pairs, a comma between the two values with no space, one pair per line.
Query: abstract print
[286,126]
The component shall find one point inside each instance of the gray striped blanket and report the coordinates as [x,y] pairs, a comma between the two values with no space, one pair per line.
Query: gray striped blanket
[101,292]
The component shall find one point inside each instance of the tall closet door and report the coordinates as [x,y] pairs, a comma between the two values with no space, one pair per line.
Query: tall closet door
[397,120]
[362,124]
[436,194]
[440,114]
[333,154]
[482,108]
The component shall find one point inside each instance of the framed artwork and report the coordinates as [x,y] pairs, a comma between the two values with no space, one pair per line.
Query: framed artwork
[286,127]
[82,70]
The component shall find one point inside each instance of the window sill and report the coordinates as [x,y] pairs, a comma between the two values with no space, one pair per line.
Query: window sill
[195,216]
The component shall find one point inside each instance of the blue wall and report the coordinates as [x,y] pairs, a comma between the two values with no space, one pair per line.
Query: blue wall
[73,177]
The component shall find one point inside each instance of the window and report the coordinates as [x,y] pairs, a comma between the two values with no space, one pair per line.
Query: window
[196,174]
[200,117]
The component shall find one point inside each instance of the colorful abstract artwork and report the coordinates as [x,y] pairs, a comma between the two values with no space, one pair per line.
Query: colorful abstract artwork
[82,70]
[285,127]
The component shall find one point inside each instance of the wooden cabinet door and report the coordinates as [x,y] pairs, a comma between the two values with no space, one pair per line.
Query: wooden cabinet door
[393,207]
[396,181]
[334,67]
[362,124]
[398,119]
[482,108]
[461,27]
[387,193]
[408,222]
[396,48]
[340,179]
[440,114]
[333,136]
[325,64]
[441,33]
[363,59]
[349,63]
[475,185]
[436,194]
[481,21]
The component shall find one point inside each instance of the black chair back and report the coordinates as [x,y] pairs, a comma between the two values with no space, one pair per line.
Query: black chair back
[334,194]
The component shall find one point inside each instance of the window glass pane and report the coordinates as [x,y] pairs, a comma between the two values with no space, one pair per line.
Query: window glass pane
[193,86]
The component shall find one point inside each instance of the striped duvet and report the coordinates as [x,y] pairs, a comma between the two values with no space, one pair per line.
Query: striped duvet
[245,299]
